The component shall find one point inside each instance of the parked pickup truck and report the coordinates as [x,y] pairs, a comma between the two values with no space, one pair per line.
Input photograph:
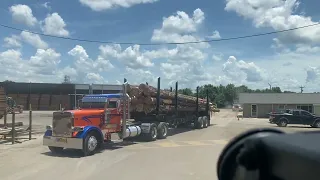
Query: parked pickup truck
[294,116]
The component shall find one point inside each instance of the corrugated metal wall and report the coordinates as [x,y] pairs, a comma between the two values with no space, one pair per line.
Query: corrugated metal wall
[264,109]
[279,98]
[41,96]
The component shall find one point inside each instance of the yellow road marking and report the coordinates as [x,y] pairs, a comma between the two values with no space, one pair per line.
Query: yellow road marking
[167,144]
[221,141]
[170,144]
[196,143]
[139,146]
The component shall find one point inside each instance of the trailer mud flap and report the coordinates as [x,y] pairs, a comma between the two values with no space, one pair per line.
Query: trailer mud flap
[145,127]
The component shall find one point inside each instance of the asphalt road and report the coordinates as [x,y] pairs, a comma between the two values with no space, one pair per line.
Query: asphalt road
[183,156]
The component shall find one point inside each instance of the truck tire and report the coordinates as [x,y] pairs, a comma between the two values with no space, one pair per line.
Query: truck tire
[162,130]
[153,133]
[199,123]
[55,150]
[91,144]
[316,124]
[283,122]
[205,121]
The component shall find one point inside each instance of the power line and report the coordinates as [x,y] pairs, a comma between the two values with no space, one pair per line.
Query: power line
[156,44]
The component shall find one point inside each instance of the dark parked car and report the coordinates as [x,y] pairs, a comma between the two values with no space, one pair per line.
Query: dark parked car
[294,116]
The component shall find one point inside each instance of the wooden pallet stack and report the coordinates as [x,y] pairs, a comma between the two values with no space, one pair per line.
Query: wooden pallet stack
[65,101]
[55,102]
[3,101]
[21,99]
[34,100]
[44,102]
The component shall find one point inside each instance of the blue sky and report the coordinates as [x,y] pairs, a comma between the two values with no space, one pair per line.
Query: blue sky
[253,61]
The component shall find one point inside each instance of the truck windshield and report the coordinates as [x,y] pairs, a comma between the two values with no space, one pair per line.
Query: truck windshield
[112,104]
[92,105]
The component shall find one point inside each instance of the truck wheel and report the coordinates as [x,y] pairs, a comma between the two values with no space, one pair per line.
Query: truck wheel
[199,123]
[55,150]
[205,121]
[91,144]
[162,130]
[317,124]
[283,122]
[153,133]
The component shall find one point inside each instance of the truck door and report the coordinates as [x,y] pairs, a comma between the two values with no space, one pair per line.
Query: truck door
[296,117]
[306,117]
[113,116]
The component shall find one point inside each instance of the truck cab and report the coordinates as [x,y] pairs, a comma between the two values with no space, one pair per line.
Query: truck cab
[87,127]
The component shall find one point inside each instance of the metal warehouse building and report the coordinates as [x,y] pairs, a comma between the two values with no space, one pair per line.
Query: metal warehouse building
[260,104]
[47,96]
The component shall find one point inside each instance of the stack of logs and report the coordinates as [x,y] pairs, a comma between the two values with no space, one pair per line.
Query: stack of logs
[143,99]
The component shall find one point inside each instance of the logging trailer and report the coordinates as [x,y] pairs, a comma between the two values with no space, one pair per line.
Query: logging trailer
[89,127]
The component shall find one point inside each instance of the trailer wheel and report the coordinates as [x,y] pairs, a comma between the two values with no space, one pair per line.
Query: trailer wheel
[162,130]
[153,133]
[55,150]
[205,121]
[90,144]
[199,123]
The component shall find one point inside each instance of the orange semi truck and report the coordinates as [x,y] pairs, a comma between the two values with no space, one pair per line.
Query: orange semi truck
[100,115]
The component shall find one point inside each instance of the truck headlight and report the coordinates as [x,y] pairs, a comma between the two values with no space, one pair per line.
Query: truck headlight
[48,127]
[77,129]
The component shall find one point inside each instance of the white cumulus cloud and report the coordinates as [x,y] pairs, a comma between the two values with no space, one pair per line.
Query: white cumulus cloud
[53,24]
[23,14]
[100,5]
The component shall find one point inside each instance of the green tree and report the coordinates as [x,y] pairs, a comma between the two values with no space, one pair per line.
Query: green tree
[230,93]
[186,91]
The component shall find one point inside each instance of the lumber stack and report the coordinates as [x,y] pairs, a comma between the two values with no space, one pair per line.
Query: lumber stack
[55,102]
[65,101]
[143,99]
[34,101]
[3,102]
[44,102]
[21,99]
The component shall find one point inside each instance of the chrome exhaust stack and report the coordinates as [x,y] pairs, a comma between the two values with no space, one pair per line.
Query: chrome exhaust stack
[124,115]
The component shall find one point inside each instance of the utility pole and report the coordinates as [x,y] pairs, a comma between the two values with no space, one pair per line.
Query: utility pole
[301,89]
[270,86]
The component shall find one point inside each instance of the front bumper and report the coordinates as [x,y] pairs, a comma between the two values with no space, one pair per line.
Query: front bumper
[72,143]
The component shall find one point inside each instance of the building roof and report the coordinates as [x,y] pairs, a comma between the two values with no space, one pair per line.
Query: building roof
[279,98]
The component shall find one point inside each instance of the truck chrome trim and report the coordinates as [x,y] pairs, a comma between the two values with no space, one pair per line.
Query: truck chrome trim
[49,127]
[62,123]
[72,143]
[133,131]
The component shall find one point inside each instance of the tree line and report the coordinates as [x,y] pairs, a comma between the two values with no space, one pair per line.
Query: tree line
[227,95]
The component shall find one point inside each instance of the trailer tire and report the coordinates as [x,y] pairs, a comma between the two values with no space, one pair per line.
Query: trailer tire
[199,123]
[91,144]
[153,133]
[55,150]
[162,130]
[205,121]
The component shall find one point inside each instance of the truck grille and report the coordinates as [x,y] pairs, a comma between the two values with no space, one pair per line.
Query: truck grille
[62,123]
